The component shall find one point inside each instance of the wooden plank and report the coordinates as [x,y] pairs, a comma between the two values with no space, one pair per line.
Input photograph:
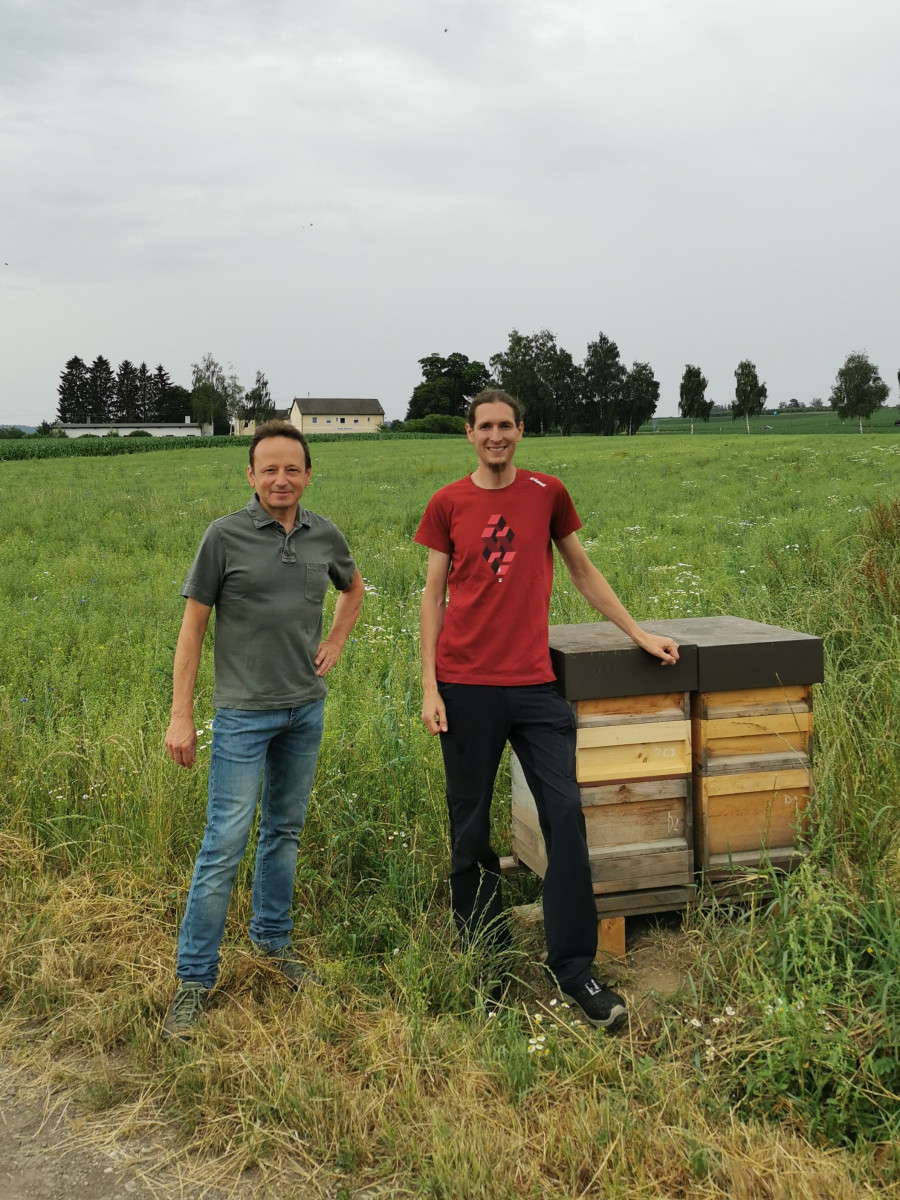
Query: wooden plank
[753,781]
[626,764]
[637,792]
[644,824]
[739,764]
[751,737]
[666,899]
[643,882]
[615,736]
[756,725]
[617,869]
[751,702]
[744,859]
[611,937]
[632,710]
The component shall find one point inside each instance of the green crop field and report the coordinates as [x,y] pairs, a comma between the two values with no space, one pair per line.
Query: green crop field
[769,1069]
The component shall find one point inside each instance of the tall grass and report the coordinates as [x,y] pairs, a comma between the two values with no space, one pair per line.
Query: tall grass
[773,1072]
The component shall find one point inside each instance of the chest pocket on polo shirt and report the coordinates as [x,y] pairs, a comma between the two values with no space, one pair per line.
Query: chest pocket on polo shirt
[316,582]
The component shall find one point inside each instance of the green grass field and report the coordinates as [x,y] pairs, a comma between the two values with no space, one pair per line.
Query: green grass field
[772,1071]
[805,422]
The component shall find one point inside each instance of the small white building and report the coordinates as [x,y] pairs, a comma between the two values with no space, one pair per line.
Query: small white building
[187,428]
[317,415]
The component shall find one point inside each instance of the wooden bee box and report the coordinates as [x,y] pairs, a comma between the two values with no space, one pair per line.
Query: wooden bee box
[752,777]
[632,738]
[740,819]
[639,834]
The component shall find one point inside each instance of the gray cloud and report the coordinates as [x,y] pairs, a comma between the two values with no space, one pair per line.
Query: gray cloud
[330,191]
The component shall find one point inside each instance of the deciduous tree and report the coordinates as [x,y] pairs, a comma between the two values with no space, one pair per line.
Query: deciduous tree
[543,376]
[212,394]
[858,389]
[640,397]
[603,376]
[749,393]
[692,402]
[448,384]
[257,404]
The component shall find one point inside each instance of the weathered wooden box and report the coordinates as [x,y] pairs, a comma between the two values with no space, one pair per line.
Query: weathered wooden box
[759,729]
[752,777]
[740,818]
[632,738]
[639,834]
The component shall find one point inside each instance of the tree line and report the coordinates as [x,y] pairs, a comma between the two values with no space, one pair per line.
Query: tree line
[96,394]
[601,395]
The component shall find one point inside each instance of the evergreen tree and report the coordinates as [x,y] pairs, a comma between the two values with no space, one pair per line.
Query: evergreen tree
[145,403]
[157,408]
[101,391]
[125,405]
[73,392]
[749,393]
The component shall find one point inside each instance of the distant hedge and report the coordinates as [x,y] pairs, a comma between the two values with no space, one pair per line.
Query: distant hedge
[93,447]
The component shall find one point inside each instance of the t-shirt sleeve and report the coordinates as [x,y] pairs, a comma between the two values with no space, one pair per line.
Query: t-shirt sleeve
[342,568]
[204,579]
[565,519]
[434,528]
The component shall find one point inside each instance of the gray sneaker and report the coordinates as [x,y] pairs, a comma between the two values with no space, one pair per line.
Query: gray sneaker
[185,1011]
[287,963]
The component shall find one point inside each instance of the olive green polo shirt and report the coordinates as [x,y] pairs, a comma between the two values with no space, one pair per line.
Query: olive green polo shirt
[268,588]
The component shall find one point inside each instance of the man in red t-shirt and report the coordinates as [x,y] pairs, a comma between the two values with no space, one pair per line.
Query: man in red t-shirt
[487,679]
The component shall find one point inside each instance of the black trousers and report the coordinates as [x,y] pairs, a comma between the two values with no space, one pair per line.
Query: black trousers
[539,726]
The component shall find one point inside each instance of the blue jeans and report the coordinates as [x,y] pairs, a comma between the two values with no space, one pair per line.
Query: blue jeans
[279,746]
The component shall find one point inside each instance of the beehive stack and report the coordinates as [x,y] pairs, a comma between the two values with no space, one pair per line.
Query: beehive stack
[633,766]
[752,729]
[713,773]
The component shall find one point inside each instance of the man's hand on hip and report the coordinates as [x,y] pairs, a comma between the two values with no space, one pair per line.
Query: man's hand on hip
[181,741]
[434,714]
[326,656]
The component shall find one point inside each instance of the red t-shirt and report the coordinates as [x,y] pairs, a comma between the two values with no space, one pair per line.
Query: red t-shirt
[501,572]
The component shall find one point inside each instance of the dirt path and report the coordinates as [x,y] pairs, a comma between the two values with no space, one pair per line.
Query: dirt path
[45,1156]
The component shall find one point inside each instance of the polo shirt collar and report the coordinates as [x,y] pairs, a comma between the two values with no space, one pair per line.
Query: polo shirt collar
[260,517]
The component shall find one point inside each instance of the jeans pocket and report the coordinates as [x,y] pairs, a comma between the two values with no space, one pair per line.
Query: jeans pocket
[316,582]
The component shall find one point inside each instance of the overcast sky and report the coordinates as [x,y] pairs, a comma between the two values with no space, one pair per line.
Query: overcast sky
[328,190]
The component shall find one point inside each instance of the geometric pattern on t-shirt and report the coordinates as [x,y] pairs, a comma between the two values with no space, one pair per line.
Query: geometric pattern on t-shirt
[498,539]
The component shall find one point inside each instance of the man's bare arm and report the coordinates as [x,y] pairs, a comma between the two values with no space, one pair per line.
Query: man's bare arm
[346,614]
[181,736]
[431,622]
[595,589]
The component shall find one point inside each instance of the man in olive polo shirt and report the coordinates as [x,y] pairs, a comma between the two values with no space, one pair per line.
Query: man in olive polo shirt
[265,570]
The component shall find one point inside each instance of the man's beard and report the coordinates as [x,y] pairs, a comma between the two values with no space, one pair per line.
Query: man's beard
[497,467]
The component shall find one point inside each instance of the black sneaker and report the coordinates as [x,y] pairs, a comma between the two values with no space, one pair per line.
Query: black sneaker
[600,1005]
